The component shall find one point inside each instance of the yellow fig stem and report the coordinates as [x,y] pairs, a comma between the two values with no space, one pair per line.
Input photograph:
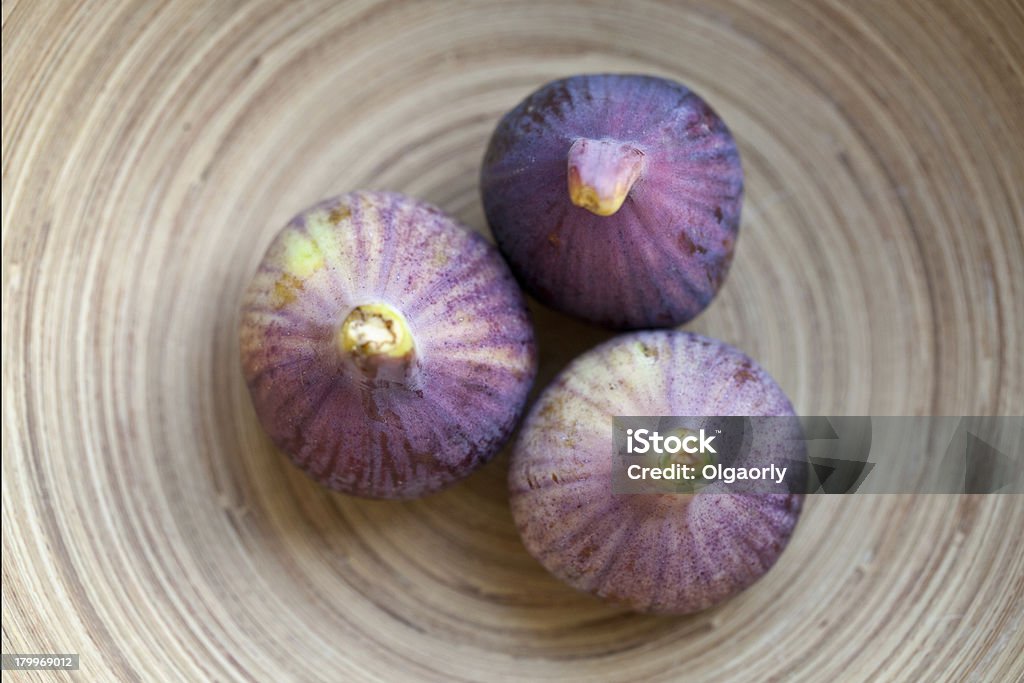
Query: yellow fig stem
[602,173]
[375,332]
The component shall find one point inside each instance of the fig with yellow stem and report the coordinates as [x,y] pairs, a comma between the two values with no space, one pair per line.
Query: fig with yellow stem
[615,198]
[387,349]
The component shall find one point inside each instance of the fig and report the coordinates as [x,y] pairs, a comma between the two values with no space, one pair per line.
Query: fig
[673,553]
[387,349]
[615,198]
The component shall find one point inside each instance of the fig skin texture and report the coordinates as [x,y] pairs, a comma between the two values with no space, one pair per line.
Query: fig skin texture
[615,198]
[672,553]
[387,349]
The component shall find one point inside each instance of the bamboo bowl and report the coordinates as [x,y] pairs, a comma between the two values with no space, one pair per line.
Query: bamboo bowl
[151,150]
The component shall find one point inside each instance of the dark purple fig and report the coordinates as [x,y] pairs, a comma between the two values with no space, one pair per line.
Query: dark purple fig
[615,198]
[653,552]
[387,349]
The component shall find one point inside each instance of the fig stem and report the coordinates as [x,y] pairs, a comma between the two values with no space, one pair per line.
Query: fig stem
[601,174]
[375,332]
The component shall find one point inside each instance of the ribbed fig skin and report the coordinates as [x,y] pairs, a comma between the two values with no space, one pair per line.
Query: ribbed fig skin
[386,436]
[661,258]
[665,552]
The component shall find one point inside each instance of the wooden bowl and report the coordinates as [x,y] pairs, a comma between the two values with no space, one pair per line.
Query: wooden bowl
[152,149]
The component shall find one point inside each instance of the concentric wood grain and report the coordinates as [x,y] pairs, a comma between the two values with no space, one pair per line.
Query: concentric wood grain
[150,152]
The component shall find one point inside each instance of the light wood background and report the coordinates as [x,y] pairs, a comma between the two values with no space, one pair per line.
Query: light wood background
[151,150]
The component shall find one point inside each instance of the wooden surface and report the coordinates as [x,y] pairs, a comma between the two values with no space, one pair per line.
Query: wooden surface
[151,150]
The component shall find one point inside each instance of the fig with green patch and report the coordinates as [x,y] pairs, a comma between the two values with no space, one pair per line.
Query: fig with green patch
[387,349]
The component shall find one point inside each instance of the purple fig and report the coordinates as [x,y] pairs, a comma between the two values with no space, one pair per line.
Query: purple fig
[387,349]
[615,198]
[653,552]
